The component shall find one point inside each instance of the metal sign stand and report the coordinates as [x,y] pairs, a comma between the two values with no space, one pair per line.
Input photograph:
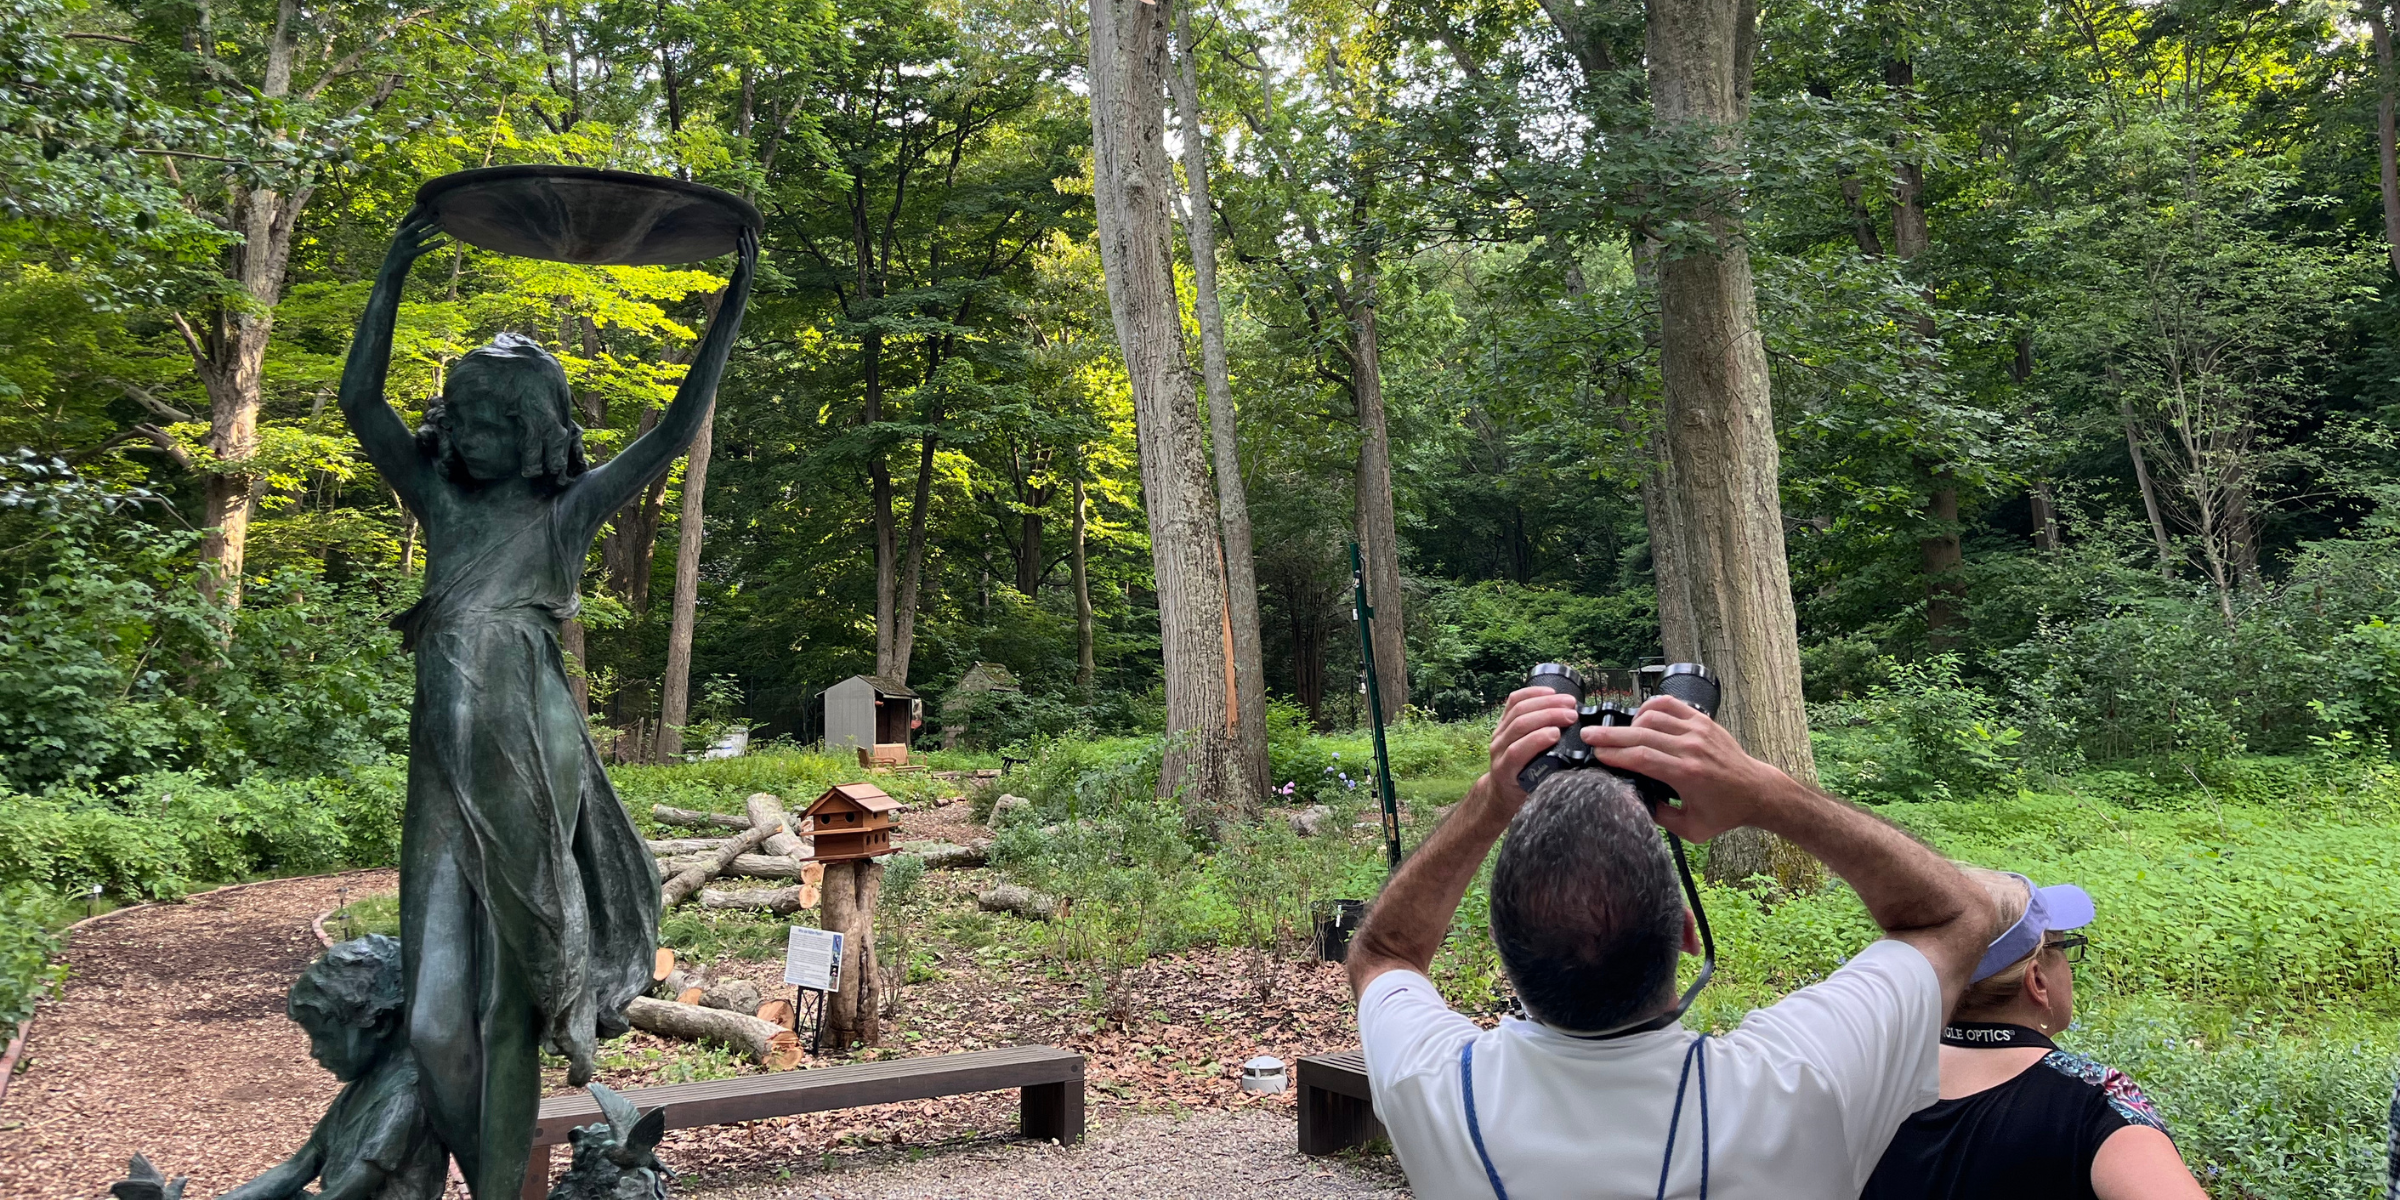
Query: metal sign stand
[1365,616]
[816,1037]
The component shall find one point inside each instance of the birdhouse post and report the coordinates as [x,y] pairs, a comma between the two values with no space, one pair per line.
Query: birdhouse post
[852,824]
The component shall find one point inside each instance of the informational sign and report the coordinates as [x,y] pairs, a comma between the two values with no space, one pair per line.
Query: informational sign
[813,959]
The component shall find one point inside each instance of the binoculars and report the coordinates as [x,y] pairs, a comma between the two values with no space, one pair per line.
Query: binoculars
[1691,683]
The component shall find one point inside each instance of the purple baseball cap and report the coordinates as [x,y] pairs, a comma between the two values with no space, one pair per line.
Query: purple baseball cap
[2059,906]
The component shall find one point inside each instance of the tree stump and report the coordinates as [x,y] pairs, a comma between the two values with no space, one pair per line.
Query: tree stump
[853,1012]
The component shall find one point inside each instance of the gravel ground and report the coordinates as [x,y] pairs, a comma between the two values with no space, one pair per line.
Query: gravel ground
[171,1040]
[1246,1153]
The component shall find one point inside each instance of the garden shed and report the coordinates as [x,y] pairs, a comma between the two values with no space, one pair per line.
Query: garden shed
[866,711]
[980,678]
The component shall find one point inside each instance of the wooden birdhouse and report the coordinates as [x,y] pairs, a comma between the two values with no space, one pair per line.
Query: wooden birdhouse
[852,820]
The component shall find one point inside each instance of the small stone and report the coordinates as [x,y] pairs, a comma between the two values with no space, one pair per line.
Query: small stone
[1310,821]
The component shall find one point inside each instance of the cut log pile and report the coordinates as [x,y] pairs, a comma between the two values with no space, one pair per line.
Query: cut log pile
[765,848]
[728,1012]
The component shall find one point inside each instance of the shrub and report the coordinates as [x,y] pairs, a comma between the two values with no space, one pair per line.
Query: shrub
[1119,869]
[1924,734]
[29,966]
[997,718]
[163,833]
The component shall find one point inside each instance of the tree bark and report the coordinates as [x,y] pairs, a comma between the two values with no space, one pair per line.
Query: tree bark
[579,680]
[912,569]
[665,815]
[1378,525]
[853,1014]
[2387,124]
[1131,193]
[632,539]
[1233,502]
[689,879]
[1720,430]
[765,811]
[2141,479]
[1085,667]
[768,1044]
[1940,559]
[674,703]
[2045,517]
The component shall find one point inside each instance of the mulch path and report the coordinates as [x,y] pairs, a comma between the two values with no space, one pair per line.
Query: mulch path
[170,1039]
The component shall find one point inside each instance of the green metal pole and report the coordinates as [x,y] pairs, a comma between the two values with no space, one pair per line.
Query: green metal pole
[1365,616]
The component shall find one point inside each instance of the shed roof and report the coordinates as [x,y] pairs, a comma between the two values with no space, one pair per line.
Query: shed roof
[989,675]
[865,795]
[880,684]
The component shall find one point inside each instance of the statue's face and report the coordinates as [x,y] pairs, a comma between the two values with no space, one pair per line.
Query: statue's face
[344,1049]
[483,429]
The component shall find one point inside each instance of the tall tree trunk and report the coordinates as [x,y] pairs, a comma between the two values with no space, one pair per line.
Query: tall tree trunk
[1378,526]
[2141,479]
[579,680]
[1131,192]
[1030,551]
[1720,430]
[912,570]
[1940,556]
[2387,124]
[230,356]
[675,693]
[887,523]
[2045,517]
[1941,560]
[1085,666]
[1233,502]
[632,539]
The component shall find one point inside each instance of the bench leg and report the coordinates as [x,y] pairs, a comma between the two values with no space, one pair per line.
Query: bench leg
[1331,1122]
[1052,1110]
[537,1175]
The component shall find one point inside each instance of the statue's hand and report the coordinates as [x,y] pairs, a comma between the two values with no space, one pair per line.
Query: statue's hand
[420,234]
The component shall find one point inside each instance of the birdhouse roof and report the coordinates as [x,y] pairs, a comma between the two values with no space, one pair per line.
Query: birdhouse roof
[862,795]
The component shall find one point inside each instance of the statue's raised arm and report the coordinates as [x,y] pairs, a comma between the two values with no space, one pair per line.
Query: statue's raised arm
[387,440]
[608,486]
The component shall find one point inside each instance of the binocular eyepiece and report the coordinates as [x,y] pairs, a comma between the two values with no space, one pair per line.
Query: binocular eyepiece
[1691,683]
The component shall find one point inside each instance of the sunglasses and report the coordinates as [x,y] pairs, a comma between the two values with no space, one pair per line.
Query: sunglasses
[2070,945]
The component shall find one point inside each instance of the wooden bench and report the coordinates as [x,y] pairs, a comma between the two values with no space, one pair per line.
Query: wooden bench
[1336,1109]
[1049,1105]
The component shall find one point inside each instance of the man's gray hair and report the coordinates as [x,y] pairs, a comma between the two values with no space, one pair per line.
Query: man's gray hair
[1585,907]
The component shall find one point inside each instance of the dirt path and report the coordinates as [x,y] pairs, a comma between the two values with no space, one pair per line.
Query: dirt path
[1247,1154]
[170,1039]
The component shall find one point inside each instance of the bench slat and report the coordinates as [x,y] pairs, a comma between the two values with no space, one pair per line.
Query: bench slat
[753,1097]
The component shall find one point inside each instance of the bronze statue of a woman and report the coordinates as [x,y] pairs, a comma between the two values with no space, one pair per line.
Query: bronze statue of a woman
[529,907]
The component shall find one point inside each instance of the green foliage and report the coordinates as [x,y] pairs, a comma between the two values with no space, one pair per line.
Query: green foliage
[29,966]
[1922,734]
[160,834]
[1000,718]
[2257,1110]
[1119,863]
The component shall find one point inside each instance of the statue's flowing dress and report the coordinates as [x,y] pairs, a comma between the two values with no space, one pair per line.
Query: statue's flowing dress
[504,778]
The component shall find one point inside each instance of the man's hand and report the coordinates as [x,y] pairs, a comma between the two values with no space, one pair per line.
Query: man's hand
[1528,728]
[1721,786]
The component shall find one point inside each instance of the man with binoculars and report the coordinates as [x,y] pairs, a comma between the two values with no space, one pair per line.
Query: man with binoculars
[1601,1091]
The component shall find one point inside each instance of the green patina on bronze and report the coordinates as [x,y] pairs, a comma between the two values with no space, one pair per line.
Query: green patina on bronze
[528,905]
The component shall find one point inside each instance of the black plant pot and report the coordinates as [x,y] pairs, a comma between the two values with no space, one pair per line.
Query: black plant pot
[1337,920]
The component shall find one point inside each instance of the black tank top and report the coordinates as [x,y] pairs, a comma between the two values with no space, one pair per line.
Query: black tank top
[2035,1135]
